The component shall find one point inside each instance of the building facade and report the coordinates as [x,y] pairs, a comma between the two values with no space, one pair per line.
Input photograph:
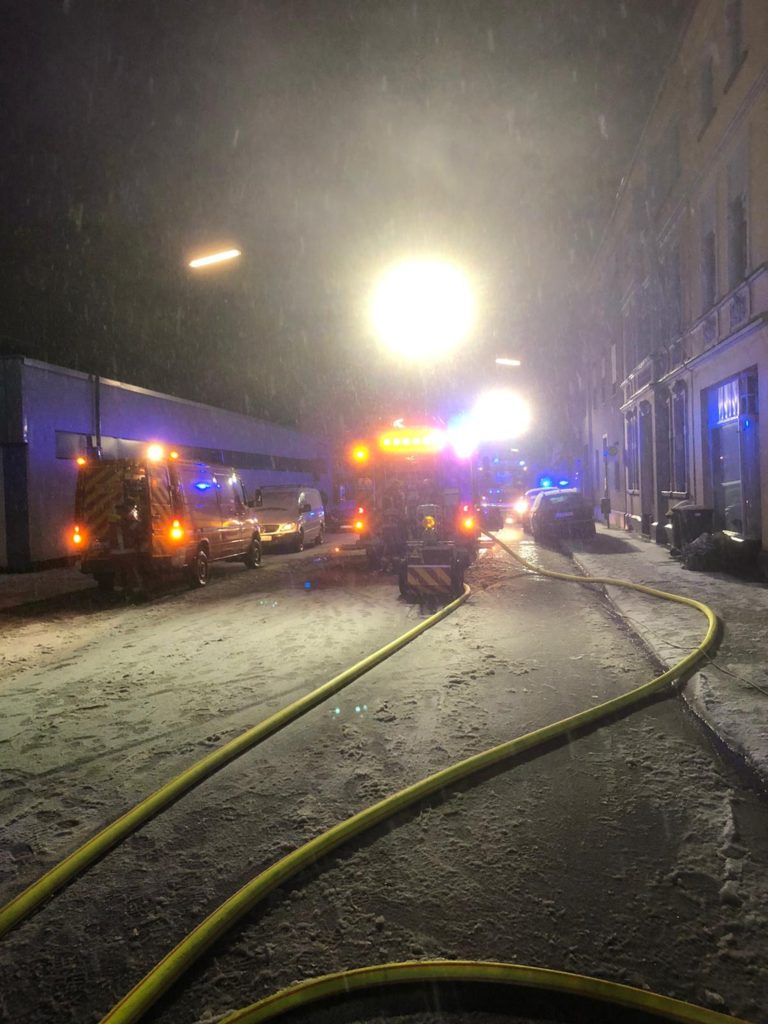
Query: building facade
[674,359]
[49,416]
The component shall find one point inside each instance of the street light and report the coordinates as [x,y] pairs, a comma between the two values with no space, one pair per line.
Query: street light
[423,308]
[500,415]
[215,257]
[504,361]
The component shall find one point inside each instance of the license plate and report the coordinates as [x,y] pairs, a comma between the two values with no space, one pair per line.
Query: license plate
[264,537]
[563,515]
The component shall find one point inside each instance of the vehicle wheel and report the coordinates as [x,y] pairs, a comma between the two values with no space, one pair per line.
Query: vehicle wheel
[199,570]
[402,581]
[374,559]
[253,555]
[457,580]
[105,581]
[298,544]
[320,536]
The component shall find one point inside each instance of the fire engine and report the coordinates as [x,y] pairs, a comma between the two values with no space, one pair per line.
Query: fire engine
[415,513]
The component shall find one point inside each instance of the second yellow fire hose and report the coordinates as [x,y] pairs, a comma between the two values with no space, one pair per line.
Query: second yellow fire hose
[133,1006]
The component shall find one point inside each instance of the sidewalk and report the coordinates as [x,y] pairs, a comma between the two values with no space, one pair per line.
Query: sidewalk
[25,587]
[731,698]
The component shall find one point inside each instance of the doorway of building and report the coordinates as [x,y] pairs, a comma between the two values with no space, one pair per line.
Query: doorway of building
[727,475]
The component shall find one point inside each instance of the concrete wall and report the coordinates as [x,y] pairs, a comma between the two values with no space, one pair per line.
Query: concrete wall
[38,400]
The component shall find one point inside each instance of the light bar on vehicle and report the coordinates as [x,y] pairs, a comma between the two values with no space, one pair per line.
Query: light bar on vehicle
[414,440]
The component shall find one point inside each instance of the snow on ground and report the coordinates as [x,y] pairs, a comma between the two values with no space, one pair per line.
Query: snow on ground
[731,692]
[631,852]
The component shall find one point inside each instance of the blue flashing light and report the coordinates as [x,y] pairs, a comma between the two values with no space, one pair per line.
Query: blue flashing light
[545,481]
[307,585]
[203,485]
[563,483]
[746,424]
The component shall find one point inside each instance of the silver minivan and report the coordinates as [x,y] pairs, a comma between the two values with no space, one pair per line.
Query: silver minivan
[290,517]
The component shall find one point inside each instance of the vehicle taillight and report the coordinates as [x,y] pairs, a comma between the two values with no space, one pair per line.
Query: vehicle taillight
[468,522]
[176,531]
[77,537]
[360,510]
[359,525]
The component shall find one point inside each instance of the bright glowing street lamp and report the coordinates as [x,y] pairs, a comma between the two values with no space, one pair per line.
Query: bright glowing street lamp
[215,257]
[423,309]
[500,415]
[505,361]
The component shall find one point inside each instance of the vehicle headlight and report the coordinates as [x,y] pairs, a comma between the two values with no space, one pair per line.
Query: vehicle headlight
[287,528]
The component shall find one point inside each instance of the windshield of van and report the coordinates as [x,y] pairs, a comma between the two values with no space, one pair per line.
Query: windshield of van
[279,503]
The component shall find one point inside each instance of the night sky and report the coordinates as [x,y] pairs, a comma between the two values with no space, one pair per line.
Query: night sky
[326,139]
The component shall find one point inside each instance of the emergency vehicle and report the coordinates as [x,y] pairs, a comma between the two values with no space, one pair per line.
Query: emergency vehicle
[415,513]
[137,519]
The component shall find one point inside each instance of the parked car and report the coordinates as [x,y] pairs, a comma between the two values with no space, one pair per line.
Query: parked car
[561,513]
[290,517]
[342,516]
[522,507]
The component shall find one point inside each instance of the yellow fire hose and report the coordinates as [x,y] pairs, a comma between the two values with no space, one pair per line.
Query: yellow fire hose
[77,862]
[462,972]
[163,975]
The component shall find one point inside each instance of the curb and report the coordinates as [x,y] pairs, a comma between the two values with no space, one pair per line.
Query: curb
[693,692]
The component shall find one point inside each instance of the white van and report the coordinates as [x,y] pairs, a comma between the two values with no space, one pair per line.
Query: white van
[290,516]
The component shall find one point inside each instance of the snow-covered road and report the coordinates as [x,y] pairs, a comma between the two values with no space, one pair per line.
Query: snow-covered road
[633,853]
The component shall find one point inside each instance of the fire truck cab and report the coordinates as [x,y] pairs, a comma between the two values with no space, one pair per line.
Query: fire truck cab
[139,519]
[415,511]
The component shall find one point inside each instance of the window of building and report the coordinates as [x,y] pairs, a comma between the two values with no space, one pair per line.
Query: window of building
[708,254]
[734,36]
[678,423]
[737,241]
[644,326]
[674,293]
[738,259]
[633,472]
[706,92]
